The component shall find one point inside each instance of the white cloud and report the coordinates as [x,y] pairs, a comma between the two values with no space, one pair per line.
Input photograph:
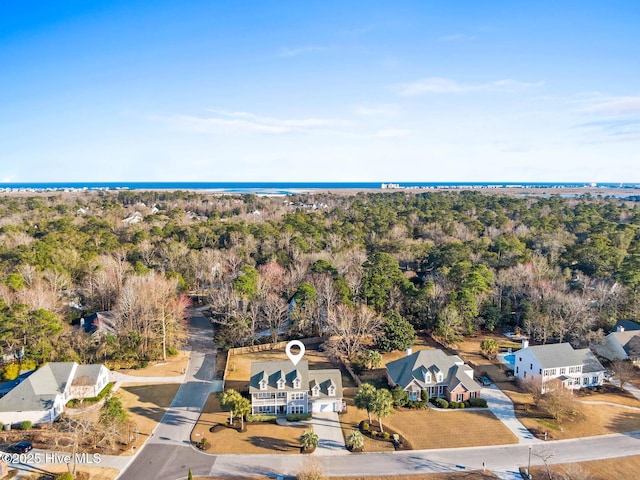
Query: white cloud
[245,122]
[295,51]
[447,85]
[616,106]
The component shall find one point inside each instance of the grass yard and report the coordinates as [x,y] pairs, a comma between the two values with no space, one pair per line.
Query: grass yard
[172,367]
[239,368]
[146,405]
[596,470]
[591,420]
[418,427]
[261,438]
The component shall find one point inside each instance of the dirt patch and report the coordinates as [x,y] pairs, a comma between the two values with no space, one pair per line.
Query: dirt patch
[82,473]
[428,429]
[174,366]
[146,405]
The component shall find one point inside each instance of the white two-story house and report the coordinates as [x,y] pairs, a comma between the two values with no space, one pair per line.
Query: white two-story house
[559,361]
[282,388]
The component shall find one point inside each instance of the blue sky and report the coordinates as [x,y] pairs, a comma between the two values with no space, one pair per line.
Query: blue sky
[319,91]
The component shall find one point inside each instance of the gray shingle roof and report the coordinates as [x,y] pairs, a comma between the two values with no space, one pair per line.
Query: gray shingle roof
[556,355]
[590,363]
[412,368]
[325,378]
[272,371]
[38,391]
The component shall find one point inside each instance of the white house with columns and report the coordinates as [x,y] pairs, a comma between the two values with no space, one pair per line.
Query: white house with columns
[559,361]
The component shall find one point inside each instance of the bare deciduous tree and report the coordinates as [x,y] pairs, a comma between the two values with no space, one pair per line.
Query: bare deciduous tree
[351,330]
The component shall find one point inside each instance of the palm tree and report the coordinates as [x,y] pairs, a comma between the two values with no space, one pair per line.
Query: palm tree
[309,440]
[382,405]
[365,397]
[355,441]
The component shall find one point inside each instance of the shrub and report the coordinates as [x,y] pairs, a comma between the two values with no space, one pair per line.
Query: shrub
[461,405]
[467,404]
[172,351]
[26,425]
[386,435]
[441,403]
[204,443]
[261,418]
[478,402]
[65,476]
[298,417]
[364,426]
[400,397]
[453,405]
[10,372]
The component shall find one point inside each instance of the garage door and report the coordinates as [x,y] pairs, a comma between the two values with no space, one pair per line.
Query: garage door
[322,407]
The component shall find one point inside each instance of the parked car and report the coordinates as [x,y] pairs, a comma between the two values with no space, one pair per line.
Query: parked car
[20,447]
[485,381]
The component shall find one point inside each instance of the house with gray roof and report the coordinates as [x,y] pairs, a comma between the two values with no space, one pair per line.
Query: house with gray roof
[435,373]
[42,396]
[559,362]
[283,388]
[620,345]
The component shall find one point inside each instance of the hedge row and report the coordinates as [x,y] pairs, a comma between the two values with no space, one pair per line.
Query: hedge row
[298,417]
[76,402]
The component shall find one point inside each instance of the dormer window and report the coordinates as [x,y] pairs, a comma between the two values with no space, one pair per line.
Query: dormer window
[262,385]
[440,377]
[315,391]
[427,378]
[296,383]
[331,391]
[280,384]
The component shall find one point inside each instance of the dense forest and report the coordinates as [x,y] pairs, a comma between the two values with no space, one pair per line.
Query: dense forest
[355,268]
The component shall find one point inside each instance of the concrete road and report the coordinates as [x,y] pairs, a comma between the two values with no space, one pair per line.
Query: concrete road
[169,443]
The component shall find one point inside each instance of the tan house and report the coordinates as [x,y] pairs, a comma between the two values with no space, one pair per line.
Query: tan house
[436,373]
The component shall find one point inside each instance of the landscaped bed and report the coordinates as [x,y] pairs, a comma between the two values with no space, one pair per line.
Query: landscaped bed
[261,438]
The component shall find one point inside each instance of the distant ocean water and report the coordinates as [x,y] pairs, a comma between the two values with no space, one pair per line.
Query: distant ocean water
[283,188]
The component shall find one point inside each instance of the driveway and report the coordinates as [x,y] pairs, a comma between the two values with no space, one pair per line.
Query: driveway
[331,441]
[502,407]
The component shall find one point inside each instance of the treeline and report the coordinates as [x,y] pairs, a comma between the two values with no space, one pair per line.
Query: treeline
[356,268]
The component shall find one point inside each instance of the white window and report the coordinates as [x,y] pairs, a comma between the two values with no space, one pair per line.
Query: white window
[263,385]
[563,370]
[439,377]
[594,379]
[297,409]
[331,391]
[281,395]
[315,391]
[460,397]
[413,396]
[297,396]
[585,380]
[264,395]
[281,384]
[296,383]
[427,378]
